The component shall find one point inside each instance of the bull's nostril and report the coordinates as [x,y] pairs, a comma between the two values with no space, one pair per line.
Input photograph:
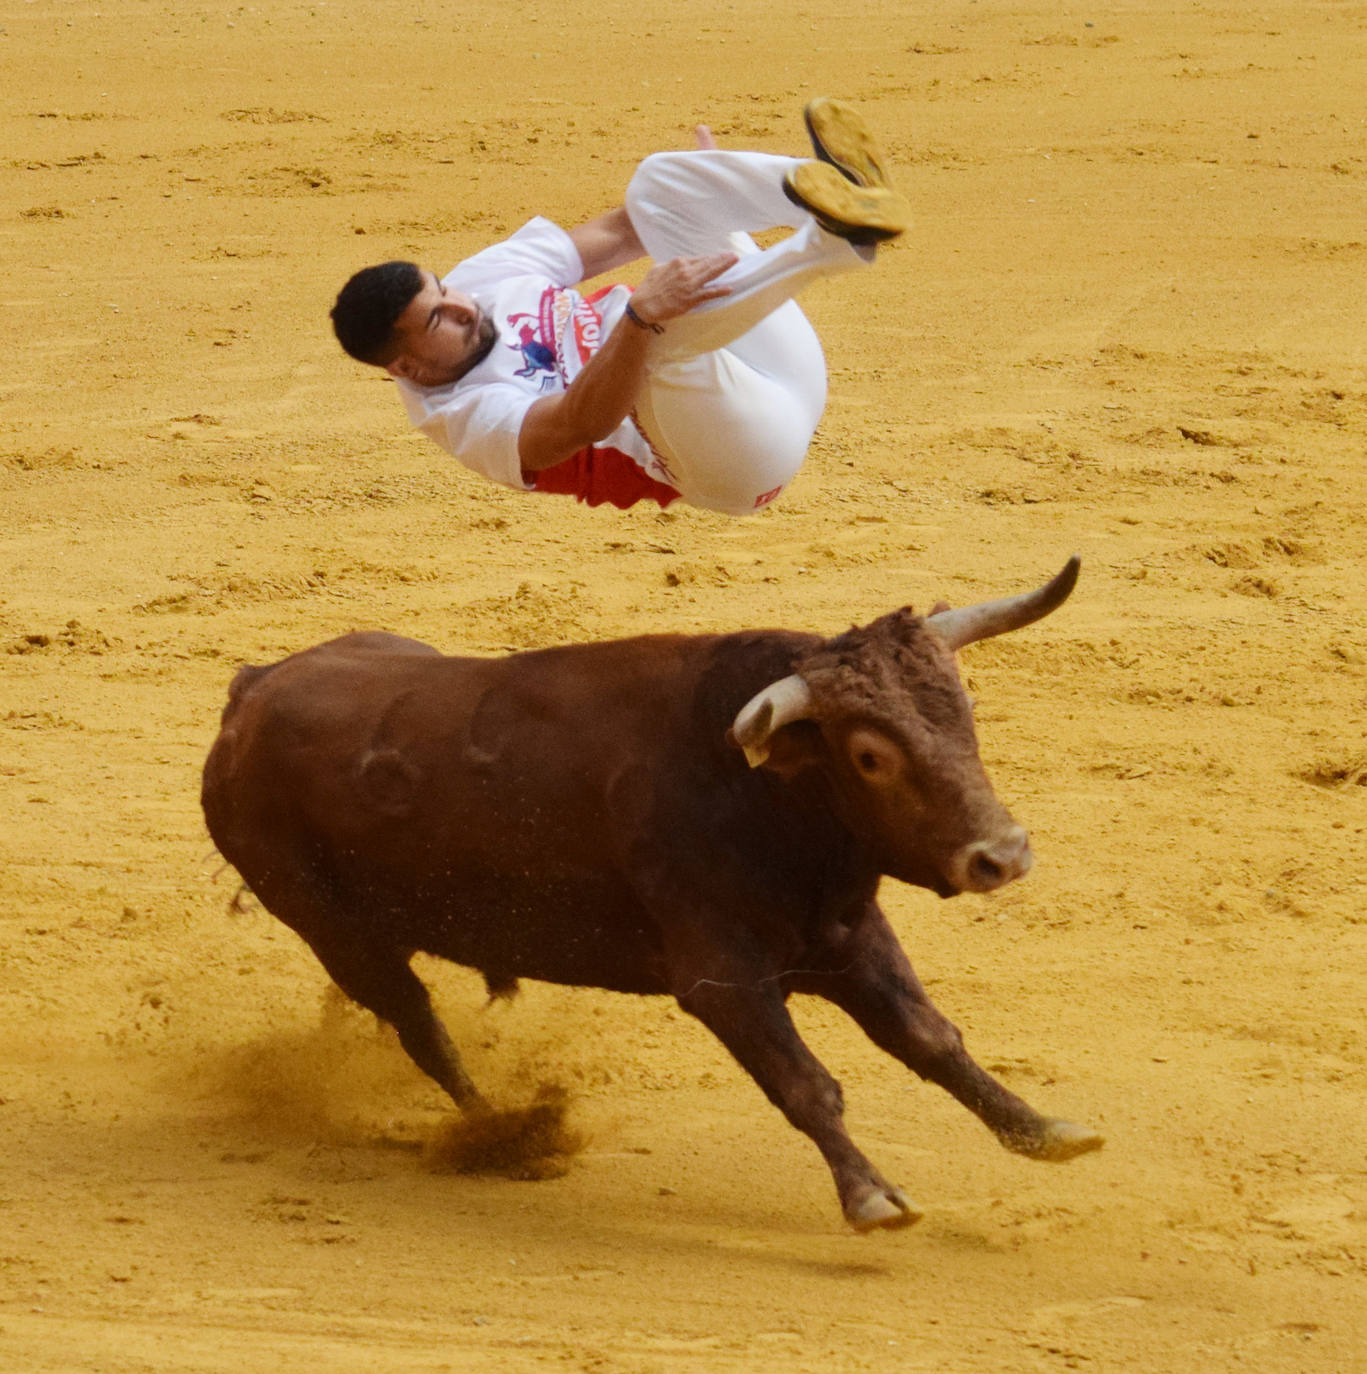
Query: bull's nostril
[985,871]
[991,864]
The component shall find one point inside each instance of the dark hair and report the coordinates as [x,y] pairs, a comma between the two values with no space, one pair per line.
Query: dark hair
[367,306]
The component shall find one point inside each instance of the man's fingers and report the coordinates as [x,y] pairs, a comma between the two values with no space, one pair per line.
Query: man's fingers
[714,265]
[673,288]
[702,135]
[708,288]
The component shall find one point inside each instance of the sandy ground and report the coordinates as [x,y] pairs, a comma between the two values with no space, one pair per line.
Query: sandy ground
[1129,323]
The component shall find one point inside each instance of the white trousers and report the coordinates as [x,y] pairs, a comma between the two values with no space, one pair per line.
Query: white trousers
[735,388]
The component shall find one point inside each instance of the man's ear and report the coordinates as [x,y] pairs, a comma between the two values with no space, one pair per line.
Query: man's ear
[398,367]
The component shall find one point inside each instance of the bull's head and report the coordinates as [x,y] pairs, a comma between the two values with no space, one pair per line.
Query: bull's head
[881,711]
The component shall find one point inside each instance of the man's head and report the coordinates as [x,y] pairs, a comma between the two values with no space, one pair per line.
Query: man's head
[401,318]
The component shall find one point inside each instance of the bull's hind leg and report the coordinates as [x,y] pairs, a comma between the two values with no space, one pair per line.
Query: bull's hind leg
[372,974]
[382,982]
[871,979]
[752,1022]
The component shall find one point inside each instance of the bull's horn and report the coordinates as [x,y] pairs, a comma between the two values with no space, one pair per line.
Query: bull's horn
[779,704]
[970,623]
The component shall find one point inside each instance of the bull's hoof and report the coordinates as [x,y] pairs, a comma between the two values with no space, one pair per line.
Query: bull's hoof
[1057,1142]
[887,1208]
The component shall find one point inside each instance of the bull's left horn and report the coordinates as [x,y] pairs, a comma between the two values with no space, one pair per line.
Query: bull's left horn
[779,704]
[988,618]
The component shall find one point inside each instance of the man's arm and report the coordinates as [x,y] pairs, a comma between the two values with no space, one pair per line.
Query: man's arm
[606,243]
[599,398]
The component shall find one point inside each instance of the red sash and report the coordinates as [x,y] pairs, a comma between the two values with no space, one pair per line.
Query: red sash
[603,476]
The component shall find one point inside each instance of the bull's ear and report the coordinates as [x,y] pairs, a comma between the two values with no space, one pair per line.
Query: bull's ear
[755,754]
[789,751]
[768,711]
[785,751]
[752,734]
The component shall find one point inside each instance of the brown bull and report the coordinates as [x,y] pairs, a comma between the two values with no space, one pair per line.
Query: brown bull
[706,816]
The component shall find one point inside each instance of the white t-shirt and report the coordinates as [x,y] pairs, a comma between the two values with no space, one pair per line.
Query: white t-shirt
[547,331]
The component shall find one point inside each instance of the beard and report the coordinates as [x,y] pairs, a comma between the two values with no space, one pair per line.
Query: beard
[486,336]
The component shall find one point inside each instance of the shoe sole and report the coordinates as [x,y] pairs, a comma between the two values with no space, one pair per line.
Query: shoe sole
[841,138]
[860,214]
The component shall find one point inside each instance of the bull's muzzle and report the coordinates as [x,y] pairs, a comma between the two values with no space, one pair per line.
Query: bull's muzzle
[989,864]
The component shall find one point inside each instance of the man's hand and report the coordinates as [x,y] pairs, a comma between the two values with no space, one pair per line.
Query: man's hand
[673,288]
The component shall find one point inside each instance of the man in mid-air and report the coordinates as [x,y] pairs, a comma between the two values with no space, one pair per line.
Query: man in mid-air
[704,384]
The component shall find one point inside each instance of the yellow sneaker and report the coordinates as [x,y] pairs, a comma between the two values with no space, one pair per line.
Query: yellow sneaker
[861,214]
[840,136]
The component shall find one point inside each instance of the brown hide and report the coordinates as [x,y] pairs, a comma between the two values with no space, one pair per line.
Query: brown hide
[494,809]
[582,815]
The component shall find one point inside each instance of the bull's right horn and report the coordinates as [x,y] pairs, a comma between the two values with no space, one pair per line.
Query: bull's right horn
[971,623]
[779,704]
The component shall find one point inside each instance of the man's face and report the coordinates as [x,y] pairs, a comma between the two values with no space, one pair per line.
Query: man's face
[440,336]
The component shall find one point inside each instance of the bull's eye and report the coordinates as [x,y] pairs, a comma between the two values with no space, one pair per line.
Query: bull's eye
[874,756]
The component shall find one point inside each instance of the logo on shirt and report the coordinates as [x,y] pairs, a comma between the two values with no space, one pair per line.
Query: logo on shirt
[557,340]
[538,352]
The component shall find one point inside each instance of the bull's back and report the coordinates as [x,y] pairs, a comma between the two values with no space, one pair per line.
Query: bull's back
[311,704]
[383,748]
[479,808]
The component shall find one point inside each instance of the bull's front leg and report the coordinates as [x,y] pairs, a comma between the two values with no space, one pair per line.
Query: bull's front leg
[870,977]
[748,1016]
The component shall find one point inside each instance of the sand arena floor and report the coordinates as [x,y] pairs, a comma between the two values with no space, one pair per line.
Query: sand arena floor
[1129,322]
